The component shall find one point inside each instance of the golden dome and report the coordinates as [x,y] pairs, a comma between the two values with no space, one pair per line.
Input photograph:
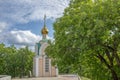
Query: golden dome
[44,30]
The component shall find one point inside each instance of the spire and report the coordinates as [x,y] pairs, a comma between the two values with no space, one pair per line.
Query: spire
[44,30]
[44,20]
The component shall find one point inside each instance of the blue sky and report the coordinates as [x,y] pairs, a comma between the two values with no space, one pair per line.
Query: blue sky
[22,20]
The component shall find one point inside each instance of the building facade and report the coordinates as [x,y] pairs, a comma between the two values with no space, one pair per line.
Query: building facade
[41,63]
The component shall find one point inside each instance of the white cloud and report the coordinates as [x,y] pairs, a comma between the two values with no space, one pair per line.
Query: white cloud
[22,38]
[3,26]
[23,11]
[52,8]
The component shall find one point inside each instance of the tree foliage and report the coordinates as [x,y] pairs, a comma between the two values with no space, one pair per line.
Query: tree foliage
[15,62]
[87,39]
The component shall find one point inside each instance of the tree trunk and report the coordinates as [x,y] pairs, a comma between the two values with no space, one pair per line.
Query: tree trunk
[114,75]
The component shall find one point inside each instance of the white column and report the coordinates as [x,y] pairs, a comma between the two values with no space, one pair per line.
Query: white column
[50,67]
[56,68]
[36,49]
[37,67]
[43,65]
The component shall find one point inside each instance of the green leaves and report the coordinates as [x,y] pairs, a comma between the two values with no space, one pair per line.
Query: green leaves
[13,61]
[87,38]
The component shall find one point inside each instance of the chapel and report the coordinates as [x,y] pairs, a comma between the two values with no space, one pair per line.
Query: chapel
[42,66]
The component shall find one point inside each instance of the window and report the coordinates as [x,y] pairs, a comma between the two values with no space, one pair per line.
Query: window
[46,64]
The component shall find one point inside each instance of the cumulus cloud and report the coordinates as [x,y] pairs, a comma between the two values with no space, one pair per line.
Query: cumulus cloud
[22,38]
[14,12]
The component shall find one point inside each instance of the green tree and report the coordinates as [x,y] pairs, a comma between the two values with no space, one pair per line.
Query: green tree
[25,61]
[15,62]
[87,39]
[2,54]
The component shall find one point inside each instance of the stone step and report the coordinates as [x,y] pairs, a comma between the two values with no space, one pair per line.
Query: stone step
[60,77]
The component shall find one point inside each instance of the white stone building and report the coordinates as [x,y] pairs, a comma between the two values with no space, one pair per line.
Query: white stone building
[41,63]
